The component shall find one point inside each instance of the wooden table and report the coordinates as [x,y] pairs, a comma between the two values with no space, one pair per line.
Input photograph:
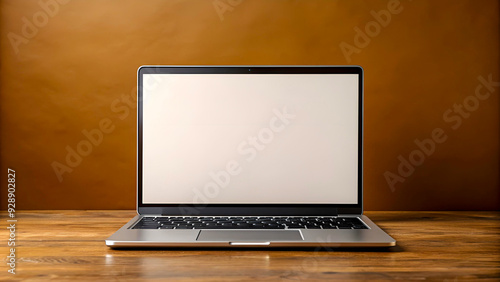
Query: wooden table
[445,246]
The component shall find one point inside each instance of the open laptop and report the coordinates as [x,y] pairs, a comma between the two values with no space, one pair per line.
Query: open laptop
[250,156]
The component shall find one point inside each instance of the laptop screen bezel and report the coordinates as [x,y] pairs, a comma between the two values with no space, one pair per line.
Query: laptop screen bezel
[247,209]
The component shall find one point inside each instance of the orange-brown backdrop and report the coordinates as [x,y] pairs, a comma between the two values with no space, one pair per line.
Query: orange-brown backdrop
[65,64]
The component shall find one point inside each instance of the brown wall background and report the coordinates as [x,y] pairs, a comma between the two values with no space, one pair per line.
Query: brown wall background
[83,55]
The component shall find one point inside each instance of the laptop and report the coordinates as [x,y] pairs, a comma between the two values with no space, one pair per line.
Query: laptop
[250,156]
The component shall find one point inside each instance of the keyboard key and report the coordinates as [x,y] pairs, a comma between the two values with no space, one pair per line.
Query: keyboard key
[275,226]
[148,227]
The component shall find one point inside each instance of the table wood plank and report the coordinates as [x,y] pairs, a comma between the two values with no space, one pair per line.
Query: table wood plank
[446,246]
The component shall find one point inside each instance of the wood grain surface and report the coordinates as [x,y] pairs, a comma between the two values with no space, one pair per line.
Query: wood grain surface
[444,246]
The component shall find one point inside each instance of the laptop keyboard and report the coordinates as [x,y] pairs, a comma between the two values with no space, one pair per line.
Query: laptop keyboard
[208,222]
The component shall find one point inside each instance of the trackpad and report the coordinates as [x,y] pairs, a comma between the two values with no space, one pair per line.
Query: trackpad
[249,235]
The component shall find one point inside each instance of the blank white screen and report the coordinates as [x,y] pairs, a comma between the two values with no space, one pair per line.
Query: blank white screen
[238,138]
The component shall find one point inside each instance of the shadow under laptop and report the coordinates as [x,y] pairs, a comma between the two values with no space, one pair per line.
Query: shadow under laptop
[393,249]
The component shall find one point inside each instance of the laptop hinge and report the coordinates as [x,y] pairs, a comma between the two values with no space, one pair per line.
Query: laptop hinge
[335,212]
[331,212]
